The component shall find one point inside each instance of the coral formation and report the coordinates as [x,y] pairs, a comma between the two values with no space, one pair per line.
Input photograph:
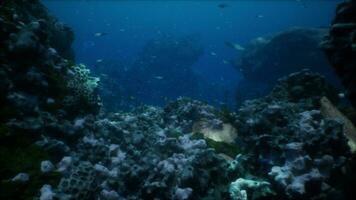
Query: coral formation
[34,54]
[291,139]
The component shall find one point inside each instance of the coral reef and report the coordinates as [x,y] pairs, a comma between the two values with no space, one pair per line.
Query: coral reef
[291,140]
[340,46]
[34,70]
[54,143]
[141,150]
[285,149]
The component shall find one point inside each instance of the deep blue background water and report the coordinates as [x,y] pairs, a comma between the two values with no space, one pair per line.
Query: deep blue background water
[130,24]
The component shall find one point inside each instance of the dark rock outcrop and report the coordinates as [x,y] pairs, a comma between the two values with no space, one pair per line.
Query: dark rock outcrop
[340,46]
[267,59]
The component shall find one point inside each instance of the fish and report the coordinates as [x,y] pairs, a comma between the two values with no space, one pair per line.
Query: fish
[235,46]
[260,16]
[225,62]
[223,5]
[99,60]
[158,77]
[213,53]
[100,34]
[341,95]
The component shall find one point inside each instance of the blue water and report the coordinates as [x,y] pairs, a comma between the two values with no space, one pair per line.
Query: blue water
[130,24]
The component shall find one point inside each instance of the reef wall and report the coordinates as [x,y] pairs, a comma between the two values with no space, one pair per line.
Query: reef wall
[340,46]
[42,93]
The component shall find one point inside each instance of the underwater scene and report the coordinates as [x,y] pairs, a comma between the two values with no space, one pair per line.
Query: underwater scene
[177,100]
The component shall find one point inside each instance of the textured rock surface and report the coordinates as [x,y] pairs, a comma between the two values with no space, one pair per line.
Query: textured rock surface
[40,98]
[291,140]
[340,46]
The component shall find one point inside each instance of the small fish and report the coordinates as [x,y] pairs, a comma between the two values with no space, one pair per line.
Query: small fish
[223,5]
[225,62]
[99,61]
[99,34]
[341,95]
[158,77]
[235,46]
[213,53]
[260,16]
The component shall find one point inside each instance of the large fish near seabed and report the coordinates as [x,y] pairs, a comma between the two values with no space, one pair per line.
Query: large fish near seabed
[235,46]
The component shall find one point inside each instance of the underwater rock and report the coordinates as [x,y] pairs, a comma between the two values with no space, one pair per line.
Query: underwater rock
[340,46]
[278,56]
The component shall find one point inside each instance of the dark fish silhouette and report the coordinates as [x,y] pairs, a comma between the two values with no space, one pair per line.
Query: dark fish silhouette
[223,5]
[235,46]
[99,34]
